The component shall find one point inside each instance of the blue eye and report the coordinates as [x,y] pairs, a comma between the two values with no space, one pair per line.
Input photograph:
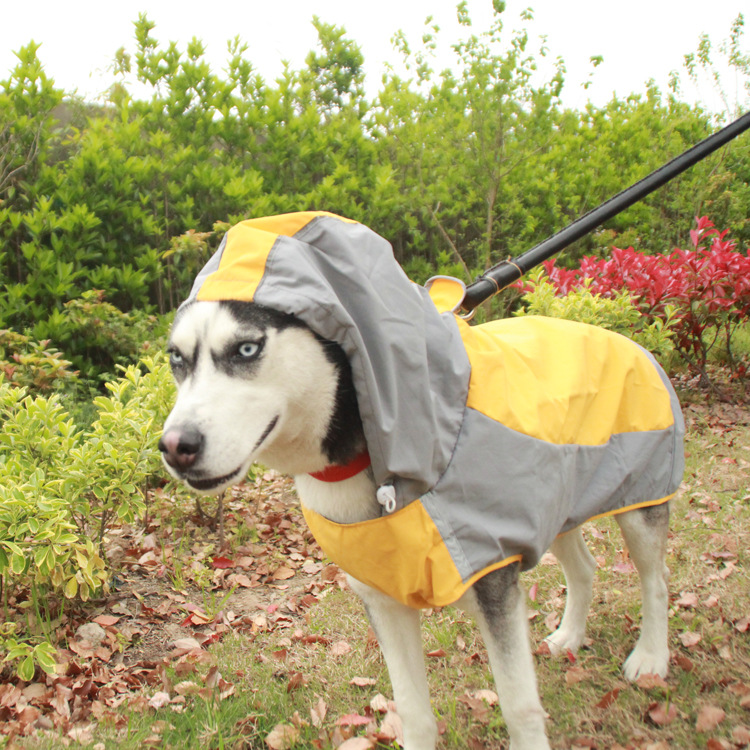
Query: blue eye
[175,358]
[248,349]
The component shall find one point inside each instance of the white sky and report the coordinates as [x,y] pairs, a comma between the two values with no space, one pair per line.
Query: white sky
[639,39]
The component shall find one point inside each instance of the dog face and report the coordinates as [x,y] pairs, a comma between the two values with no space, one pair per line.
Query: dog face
[253,385]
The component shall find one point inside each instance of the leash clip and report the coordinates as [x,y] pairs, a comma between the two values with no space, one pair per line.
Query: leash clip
[386,496]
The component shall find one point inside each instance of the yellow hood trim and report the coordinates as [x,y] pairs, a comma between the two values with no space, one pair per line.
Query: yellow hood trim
[248,244]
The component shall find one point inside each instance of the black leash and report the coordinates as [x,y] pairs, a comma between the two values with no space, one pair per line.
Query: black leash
[505,273]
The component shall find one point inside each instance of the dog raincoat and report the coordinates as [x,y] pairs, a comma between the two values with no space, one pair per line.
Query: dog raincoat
[495,438]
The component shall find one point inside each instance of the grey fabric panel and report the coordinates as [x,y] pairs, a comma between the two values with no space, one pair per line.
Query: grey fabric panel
[506,493]
[678,464]
[409,364]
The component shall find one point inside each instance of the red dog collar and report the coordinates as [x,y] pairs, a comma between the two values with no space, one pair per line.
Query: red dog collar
[337,473]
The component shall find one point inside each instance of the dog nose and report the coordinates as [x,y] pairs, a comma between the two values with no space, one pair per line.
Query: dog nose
[180,448]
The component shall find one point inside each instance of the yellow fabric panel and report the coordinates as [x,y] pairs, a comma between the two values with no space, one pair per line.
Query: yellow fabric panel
[240,271]
[447,293]
[413,565]
[290,224]
[563,382]
[243,261]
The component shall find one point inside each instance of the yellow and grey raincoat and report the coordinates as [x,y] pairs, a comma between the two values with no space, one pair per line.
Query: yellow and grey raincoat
[495,438]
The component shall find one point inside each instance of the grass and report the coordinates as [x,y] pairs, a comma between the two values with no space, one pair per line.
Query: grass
[278,675]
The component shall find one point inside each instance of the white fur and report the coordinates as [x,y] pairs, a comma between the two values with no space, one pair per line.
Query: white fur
[578,567]
[296,383]
[349,501]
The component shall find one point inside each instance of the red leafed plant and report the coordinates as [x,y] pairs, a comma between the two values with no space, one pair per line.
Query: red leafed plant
[706,289]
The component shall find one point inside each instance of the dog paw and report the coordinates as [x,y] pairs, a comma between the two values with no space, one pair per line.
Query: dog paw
[564,640]
[642,661]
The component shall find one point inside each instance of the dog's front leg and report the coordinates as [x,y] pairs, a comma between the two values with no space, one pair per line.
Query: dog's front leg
[398,631]
[497,602]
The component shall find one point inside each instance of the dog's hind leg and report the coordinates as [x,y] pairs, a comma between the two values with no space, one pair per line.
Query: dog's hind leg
[578,566]
[645,533]
[398,630]
[498,604]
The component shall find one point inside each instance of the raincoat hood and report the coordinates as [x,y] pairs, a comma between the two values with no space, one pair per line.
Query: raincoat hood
[495,438]
[339,277]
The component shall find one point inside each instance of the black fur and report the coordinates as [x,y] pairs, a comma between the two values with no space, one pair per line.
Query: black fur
[656,515]
[497,593]
[346,438]
[260,316]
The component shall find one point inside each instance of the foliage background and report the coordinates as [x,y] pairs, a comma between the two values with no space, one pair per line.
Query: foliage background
[458,169]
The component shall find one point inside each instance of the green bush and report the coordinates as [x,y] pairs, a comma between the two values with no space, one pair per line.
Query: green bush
[457,169]
[98,337]
[33,364]
[61,488]
[616,313]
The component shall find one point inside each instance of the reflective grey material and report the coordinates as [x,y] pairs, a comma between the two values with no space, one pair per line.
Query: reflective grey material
[506,493]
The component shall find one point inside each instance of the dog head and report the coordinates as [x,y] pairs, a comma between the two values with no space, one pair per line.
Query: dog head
[253,385]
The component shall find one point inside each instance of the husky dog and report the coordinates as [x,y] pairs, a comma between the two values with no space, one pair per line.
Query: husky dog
[262,383]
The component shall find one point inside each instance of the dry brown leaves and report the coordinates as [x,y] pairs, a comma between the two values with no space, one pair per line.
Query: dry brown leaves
[377,723]
[117,649]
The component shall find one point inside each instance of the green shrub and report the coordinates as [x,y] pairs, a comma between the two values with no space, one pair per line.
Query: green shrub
[616,313]
[33,364]
[98,337]
[121,444]
[458,169]
[61,488]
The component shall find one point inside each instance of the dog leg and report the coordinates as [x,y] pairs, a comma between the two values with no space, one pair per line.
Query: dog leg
[578,566]
[497,602]
[645,533]
[398,630]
